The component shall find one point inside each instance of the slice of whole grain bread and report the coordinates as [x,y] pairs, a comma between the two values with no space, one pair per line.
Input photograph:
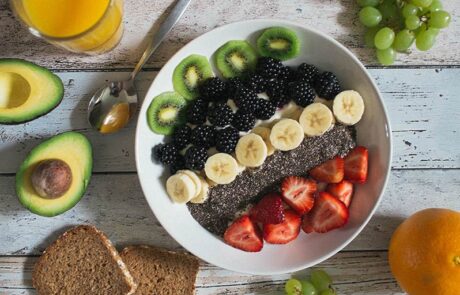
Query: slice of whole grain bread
[161,272]
[82,261]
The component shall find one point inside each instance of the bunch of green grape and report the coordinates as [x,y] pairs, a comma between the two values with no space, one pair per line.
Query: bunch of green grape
[394,25]
[320,283]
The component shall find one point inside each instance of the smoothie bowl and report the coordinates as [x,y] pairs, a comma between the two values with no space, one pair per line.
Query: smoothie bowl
[263,147]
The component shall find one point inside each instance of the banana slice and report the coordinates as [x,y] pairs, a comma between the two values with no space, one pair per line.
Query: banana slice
[221,168]
[180,188]
[264,132]
[324,101]
[316,119]
[291,111]
[251,150]
[348,107]
[203,194]
[195,178]
[286,135]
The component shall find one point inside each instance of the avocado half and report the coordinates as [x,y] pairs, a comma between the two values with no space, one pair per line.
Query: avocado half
[27,91]
[74,149]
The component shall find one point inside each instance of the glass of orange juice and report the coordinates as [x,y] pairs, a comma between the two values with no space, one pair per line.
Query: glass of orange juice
[83,26]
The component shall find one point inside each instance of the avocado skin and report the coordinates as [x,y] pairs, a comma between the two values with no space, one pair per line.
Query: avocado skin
[57,82]
[84,146]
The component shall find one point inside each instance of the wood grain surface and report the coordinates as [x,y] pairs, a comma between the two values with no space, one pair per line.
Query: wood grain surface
[337,18]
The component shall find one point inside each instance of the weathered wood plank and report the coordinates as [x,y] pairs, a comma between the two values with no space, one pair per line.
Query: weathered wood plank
[422,105]
[356,273]
[115,203]
[336,18]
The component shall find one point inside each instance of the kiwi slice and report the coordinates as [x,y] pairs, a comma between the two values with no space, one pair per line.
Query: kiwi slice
[278,42]
[166,112]
[235,58]
[189,73]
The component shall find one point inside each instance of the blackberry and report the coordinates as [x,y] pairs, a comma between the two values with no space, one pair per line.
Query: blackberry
[268,67]
[157,152]
[195,157]
[266,110]
[287,75]
[203,136]
[256,83]
[327,85]
[179,164]
[307,73]
[280,101]
[243,121]
[220,115]
[196,112]
[276,91]
[168,154]
[302,93]
[226,140]
[213,89]
[233,84]
[181,136]
[246,100]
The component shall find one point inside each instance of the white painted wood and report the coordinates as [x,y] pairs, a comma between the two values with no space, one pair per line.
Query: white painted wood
[115,204]
[336,18]
[354,273]
[423,106]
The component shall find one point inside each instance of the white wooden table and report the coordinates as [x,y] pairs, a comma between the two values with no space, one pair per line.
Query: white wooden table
[421,92]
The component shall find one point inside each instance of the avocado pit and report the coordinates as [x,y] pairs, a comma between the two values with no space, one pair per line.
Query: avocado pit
[52,178]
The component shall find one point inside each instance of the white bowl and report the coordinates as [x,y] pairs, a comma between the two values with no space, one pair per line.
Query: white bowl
[307,250]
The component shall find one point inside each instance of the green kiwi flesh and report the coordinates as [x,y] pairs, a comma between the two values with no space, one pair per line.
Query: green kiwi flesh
[235,58]
[278,42]
[166,111]
[189,73]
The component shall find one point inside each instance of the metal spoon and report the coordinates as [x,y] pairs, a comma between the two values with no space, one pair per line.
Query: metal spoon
[112,106]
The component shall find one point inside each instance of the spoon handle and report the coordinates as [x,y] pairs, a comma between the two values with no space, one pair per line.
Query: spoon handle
[158,37]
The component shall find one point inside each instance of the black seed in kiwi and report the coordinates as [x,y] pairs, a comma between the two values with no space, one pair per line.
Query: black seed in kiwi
[278,42]
[189,73]
[166,111]
[235,58]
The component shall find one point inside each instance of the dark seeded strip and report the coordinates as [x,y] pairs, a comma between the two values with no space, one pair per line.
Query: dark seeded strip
[226,200]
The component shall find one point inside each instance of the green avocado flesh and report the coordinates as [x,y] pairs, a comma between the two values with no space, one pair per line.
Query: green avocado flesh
[27,91]
[74,149]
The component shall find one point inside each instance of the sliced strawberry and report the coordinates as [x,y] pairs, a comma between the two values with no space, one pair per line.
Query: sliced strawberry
[284,232]
[342,191]
[268,210]
[243,234]
[329,213]
[299,193]
[356,165]
[307,227]
[331,171]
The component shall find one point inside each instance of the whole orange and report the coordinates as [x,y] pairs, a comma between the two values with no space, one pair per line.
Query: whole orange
[424,253]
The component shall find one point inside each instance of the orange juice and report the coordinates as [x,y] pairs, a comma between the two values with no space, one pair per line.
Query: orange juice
[90,26]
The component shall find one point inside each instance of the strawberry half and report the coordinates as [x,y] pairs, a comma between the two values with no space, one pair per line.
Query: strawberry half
[284,232]
[342,191]
[243,234]
[356,163]
[307,227]
[329,213]
[269,210]
[299,193]
[331,171]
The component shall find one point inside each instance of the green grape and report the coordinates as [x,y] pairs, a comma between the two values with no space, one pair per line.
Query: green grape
[370,16]
[308,288]
[293,287]
[412,22]
[369,37]
[425,40]
[328,292]
[387,56]
[320,279]
[421,3]
[439,19]
[420,29]
[409,9]
[435,5]
[434,31]
[389,10]
[403,40]
[364,3]
[384,38]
